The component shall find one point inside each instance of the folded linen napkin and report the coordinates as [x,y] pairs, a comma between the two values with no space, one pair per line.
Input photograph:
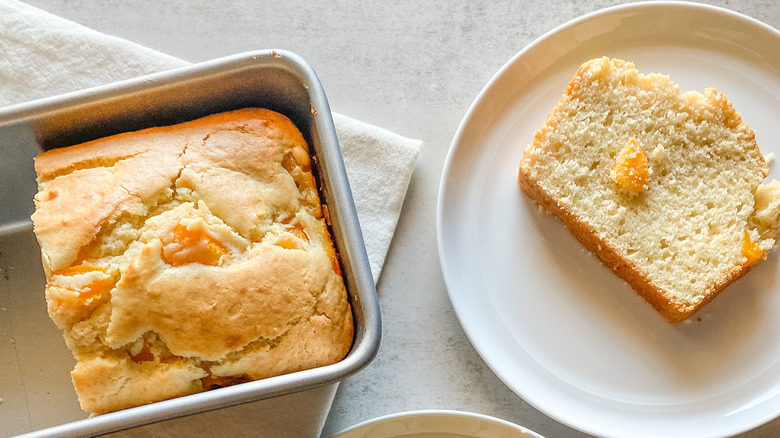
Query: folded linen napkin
[43,55]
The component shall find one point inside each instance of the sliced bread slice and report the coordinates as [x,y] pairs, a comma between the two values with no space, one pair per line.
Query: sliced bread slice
[665,188]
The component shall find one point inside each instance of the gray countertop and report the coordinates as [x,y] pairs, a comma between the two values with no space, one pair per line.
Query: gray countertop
[413,68]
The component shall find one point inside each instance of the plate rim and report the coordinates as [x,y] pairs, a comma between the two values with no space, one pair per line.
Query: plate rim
[449,413]
[476,104]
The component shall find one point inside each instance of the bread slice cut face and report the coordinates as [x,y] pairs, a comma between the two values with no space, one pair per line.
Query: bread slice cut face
[664,187]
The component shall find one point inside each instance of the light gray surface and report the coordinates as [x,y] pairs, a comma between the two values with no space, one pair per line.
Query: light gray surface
[414,68]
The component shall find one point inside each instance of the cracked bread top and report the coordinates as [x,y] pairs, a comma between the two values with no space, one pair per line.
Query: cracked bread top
[187,257]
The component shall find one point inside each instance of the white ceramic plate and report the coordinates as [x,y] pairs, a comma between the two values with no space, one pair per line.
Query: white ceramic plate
[558,328]
[438,424]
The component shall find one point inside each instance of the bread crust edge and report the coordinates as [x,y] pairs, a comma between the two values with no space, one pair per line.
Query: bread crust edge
[620,266]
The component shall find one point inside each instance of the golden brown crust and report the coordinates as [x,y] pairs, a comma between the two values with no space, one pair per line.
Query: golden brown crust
[187,257]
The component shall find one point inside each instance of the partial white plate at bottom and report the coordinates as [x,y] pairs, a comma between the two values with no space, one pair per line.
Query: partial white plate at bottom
[436,423]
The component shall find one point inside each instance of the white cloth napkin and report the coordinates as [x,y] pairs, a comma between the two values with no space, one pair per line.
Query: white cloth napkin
[42,55]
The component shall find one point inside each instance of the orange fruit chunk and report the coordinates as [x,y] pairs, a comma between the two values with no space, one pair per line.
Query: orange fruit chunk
[89,295]
[184,246]
[296,229]
[751,250]
[631,168]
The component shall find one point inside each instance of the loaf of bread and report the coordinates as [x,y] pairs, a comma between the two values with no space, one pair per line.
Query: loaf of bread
[665,188]
[188,257]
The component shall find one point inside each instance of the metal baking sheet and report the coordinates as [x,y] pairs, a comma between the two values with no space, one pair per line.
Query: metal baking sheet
[36,395]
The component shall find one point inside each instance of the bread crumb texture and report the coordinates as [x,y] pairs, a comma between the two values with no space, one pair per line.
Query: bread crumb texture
[679,240]
[189,257]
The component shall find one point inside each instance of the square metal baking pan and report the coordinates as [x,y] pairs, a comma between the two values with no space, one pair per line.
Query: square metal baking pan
[36,395]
